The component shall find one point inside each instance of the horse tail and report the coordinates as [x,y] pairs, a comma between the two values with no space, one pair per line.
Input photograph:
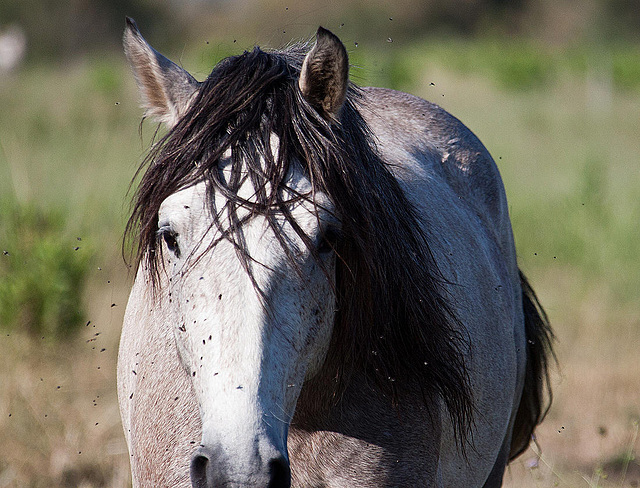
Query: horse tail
[536,394]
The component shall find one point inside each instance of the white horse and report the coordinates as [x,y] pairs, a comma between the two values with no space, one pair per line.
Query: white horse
[327,291]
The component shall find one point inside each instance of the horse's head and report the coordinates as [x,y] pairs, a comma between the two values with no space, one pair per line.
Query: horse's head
[284,249]
[235,227]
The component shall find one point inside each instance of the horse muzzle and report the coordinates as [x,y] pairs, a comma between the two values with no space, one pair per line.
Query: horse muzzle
[210,468]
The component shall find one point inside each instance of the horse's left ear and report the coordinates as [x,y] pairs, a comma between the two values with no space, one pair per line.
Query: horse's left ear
[166,88]
[324,77]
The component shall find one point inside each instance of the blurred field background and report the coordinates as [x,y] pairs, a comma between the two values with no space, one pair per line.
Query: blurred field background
[552,88]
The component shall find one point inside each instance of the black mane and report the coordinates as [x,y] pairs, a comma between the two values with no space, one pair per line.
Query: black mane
[393,320]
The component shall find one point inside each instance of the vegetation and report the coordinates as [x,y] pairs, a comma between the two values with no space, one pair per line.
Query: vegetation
[42,272]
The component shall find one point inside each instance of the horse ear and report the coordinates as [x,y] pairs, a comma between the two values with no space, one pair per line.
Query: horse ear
[166,88]
[324,77]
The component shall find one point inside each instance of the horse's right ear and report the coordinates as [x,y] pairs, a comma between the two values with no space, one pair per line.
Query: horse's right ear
[324,77]
[166,88]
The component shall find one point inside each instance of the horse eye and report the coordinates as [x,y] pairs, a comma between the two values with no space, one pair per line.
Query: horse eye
[170,239]
[329,240]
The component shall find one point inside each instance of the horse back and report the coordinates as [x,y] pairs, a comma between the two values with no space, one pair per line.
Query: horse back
[456,187]
[411,130]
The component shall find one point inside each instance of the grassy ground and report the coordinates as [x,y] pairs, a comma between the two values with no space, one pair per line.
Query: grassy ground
[566,141]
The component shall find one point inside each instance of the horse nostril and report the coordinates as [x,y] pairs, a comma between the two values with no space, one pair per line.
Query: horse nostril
[209,469]
[280,473]
[198,471]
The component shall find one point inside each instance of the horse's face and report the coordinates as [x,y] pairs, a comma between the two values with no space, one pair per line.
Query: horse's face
[252,311]
[247,344]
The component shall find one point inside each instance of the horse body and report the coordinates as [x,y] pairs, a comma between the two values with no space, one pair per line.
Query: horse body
[448,174]
[203,405]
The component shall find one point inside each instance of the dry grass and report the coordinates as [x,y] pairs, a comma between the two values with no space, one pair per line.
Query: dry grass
[59,416]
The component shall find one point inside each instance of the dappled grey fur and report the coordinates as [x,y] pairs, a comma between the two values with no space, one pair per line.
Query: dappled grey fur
[382,306]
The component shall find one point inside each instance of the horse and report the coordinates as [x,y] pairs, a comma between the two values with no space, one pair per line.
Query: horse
[327,292]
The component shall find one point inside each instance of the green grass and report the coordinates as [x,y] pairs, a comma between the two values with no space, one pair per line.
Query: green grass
[43,271]
[69,139]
